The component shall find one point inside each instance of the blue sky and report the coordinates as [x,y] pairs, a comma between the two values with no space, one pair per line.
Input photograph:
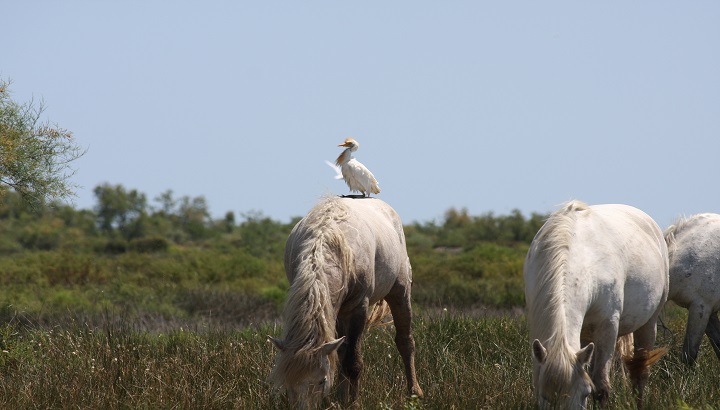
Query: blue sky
[489,106]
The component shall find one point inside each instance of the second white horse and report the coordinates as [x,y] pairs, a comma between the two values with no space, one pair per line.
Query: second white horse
[694,250]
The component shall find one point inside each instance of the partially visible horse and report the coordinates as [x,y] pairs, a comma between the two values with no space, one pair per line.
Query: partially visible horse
[345,256]
[694,251]
[592,274]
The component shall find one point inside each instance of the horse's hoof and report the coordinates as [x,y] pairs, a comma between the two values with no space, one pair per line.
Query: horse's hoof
[601,397]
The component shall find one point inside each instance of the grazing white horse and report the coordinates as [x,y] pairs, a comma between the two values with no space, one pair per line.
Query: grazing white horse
[694,251]
[592,274]
[345,256]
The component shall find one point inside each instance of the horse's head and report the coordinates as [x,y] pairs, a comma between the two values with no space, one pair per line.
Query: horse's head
[308,375]
[560,378]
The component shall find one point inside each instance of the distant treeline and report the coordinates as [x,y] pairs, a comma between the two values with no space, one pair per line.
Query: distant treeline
[167,258]
[122,217]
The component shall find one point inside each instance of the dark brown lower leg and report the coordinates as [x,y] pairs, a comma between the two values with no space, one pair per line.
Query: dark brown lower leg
[351,362]
[404,341]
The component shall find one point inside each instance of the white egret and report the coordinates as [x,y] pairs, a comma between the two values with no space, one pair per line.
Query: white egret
[356,175]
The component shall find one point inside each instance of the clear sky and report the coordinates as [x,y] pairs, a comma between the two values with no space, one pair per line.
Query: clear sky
[490,105]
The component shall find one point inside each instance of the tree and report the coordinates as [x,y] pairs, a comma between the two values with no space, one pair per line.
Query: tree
[194,216]
[121,210]
[35,156]
[188,215]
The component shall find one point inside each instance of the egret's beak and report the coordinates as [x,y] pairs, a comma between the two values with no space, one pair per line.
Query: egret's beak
[344,144]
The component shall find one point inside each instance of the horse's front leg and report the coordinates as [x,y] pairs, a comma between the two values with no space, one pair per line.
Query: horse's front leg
[351,361]
[605,338]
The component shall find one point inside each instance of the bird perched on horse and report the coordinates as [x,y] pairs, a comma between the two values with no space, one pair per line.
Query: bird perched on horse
[356,175]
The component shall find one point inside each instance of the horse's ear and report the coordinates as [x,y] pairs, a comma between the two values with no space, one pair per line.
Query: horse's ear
[332,345]
[279,343]
[585,354]
[539,351]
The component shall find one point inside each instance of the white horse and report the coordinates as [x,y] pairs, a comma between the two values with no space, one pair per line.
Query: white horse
[592,274]
[694,249]
[345,256]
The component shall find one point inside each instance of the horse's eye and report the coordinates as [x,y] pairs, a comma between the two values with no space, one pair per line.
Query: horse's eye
[322,382]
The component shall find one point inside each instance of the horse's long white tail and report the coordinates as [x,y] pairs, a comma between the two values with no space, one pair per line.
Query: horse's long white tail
[642,359]
[623,352]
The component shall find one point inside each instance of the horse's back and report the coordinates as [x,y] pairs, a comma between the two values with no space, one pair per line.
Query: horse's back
[694,247]
[624,224]
[380,250]
[369,230]
[621,237]
[376,214]
[374,223]
[380,217]
[625,253]
[610,239]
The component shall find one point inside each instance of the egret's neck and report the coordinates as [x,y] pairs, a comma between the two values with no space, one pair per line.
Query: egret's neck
[344,157]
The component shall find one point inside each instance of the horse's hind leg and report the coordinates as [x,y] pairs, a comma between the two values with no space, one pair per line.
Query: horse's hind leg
[713,332]
[698,318]
[351,358]
[399,301]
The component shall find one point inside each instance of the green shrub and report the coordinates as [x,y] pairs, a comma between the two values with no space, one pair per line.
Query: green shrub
[115,246]
[149,245]
[40,237]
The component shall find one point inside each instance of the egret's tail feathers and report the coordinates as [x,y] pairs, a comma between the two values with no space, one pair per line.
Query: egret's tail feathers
[338,172]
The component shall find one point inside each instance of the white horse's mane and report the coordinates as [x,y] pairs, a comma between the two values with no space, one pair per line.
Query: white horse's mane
[551,246]
[680,224]
[309,319]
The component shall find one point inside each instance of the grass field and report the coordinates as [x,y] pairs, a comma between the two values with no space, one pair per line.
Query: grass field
[130,306]
[463,362]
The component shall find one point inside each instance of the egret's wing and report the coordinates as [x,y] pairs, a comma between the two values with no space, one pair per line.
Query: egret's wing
[338,173]
[361,178]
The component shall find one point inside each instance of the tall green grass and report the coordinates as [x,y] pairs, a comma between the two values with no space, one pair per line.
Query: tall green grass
[463,362]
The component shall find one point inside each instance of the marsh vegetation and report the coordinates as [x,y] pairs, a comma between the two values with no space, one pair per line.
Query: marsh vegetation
[139,305]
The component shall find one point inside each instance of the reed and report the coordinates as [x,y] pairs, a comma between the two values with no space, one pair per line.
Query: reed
[463,362]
